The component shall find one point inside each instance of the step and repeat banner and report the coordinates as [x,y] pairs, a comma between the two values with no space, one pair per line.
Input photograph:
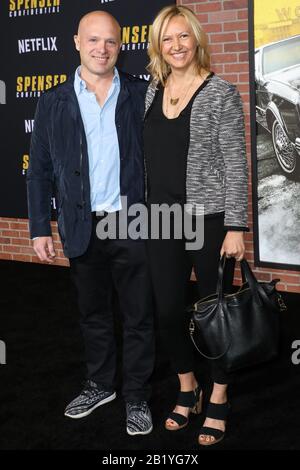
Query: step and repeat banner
[37,52]
[275,82]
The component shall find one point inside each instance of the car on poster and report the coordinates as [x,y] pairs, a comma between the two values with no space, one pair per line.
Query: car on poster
[277,84]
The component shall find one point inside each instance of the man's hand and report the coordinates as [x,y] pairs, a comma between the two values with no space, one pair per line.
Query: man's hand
[43,246]
[233,245]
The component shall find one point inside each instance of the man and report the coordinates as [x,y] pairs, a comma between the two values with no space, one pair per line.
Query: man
[87,140]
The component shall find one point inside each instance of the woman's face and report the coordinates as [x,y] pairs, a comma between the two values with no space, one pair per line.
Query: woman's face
[178,44]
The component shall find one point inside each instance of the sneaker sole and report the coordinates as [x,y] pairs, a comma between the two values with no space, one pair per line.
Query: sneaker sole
[88,412]
[142,433]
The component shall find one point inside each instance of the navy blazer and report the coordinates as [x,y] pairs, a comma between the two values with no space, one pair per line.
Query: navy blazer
[59,160]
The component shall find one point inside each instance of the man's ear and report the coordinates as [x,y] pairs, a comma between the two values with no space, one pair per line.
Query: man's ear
[77,42]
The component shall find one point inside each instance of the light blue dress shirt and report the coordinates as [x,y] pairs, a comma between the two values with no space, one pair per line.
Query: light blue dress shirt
[102,143]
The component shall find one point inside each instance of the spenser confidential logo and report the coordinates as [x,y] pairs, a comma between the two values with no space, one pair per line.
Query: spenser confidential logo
[18,8]
[33,86]
[135,38]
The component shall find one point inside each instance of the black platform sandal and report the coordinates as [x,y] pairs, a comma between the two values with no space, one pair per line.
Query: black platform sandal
[191,400]
[209,436]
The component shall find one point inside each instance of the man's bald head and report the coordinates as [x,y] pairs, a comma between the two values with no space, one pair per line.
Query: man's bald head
[98,42]
[93,17]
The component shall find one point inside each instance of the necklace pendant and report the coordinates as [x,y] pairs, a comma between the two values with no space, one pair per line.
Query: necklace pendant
[174,101]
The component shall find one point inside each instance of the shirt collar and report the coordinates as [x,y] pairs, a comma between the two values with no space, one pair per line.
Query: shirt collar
[80,85]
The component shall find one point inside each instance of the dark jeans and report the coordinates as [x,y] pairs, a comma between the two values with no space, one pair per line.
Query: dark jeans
[170,266]
[121,264]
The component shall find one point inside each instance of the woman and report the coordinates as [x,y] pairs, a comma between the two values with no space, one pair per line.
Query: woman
[195,155]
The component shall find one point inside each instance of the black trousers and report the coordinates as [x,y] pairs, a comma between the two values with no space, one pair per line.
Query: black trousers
[170,266]
[121,264]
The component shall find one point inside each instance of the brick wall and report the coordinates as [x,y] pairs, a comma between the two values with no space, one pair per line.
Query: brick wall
[226,23]
[16,245]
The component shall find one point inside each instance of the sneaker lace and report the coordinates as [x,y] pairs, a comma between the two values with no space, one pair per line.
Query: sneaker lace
[89,388]
[138,406]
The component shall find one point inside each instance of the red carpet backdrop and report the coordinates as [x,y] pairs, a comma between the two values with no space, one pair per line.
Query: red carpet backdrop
[36,38]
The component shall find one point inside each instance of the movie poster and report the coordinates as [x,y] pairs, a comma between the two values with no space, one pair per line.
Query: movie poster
[275,83]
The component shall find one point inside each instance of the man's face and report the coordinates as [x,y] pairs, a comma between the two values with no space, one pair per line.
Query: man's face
[98,42]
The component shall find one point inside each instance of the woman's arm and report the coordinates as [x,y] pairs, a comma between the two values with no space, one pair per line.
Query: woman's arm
[233,150]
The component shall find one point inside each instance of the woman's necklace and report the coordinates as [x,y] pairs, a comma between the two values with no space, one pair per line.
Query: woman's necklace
[176,101]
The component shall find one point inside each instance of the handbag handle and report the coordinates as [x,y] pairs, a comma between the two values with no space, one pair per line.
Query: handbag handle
[257,291]
[220,278]
[246,274]
[192,329]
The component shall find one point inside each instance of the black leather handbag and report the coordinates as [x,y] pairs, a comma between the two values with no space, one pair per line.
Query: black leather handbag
[241,329]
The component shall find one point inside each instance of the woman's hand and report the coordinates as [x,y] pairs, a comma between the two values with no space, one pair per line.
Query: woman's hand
[233,245]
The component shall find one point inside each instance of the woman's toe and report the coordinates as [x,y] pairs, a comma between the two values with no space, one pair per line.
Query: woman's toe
[170,422]
[206,438]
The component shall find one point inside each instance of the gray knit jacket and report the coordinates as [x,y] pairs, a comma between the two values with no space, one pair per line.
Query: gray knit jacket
[217,173]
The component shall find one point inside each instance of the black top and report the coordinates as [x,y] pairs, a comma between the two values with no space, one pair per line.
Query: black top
[166,144]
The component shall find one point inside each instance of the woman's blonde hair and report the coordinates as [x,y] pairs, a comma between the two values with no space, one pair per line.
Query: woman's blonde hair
[157,66]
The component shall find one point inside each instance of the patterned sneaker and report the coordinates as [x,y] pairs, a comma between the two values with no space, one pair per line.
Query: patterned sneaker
[89,399]
[139,420]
